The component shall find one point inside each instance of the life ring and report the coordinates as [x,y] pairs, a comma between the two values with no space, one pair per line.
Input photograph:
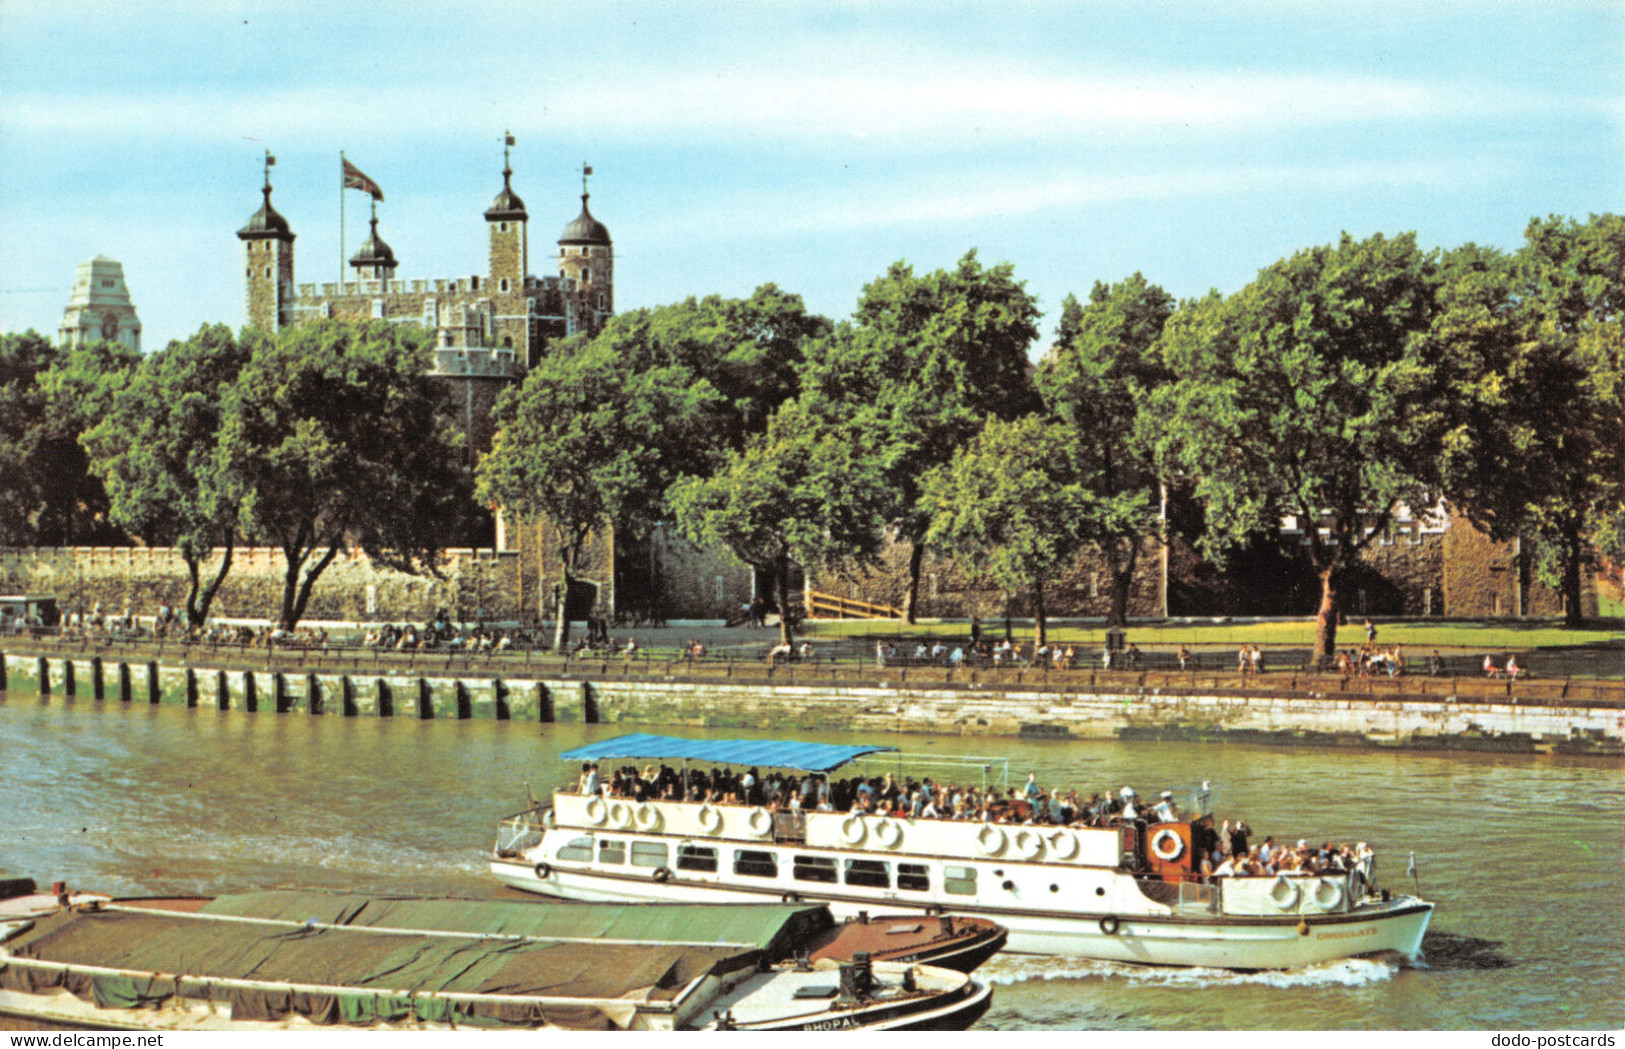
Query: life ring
[888,833]
[709,818]
[1328,894]
[1029,844]
[1284,893]
[1109,924]
[648,817]
[543,870]
[549,820]
[602,813]
[662,874]
[1063,844]
[621,814]
[1167,846]
[989,840]
[853,829]
[760,821]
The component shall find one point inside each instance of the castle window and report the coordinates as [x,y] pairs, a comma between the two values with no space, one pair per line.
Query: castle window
[267,271]
[107,284]
[473,284]
[502,227]
[586,276]
[503,284]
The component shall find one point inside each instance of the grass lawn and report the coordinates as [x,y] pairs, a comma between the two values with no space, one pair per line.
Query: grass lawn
[1488,636]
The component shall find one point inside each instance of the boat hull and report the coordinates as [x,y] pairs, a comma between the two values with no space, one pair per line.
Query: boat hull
[1230,942]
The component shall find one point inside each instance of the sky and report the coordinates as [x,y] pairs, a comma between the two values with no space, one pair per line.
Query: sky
[810,145]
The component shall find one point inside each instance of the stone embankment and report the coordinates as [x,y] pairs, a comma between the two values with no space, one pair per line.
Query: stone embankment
[1574,717]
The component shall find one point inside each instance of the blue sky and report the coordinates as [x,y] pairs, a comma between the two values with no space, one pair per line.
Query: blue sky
[810,145]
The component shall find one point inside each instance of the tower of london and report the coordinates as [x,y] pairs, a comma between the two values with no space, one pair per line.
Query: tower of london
[488,328]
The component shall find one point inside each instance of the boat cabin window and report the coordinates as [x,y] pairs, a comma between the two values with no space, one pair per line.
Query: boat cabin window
[696,858]
[648,854]
[755,863]
[814,868]
[578,849]
[874,873]
[915,877]
[961,881]
[611,850]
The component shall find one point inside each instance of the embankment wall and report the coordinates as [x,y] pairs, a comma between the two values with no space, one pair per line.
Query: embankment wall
[1433,723]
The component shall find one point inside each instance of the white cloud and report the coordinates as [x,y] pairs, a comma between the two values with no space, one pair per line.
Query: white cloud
[736,104]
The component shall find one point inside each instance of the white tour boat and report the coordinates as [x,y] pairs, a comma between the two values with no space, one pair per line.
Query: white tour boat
[1126,892]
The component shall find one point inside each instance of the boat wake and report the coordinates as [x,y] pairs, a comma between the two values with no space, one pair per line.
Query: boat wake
[1009,969]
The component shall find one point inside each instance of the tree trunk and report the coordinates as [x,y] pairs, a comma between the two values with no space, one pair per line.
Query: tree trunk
[1122,580]
[1040,616]
[561,621]
[197,607]
[290,587]
[309,582]
[1573,563]
[1326,620]
[781,583]
[911,602]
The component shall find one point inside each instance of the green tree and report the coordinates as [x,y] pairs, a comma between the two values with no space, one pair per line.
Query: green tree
[586,442]
[333,434]
[1534,340]
[48,496]
[1311,394]
[1013,503]
[923,364]
[157,452]
[801,492]
[749,351]
[1099,381]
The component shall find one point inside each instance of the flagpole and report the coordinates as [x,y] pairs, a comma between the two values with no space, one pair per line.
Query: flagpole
[341,222]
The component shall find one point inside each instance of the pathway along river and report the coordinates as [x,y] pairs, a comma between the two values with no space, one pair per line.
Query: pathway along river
[1523,854]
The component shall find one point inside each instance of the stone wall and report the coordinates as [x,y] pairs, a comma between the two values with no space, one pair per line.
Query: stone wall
[948,592]
[1434,723]
[352,587]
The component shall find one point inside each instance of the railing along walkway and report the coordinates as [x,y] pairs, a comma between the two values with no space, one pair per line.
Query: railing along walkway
[338,657]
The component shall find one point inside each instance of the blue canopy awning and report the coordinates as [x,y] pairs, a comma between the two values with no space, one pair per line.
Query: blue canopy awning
[770,753]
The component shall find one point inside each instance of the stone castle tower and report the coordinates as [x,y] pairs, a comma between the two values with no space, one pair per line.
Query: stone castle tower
[100,307]
[488,329]
[268,254]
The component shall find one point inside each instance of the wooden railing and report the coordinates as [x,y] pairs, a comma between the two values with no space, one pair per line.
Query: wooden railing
[828,606]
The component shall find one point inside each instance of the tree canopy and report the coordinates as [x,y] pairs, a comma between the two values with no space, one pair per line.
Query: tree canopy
[1099,380]
[1311,395]
[1014,503]
[922,365]
[157,451]
[1539,449]
[48,494]
[333,434]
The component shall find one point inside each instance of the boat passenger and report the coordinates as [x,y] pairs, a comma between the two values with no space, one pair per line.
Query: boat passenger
[1166,810]
[1129,810]
[1490,669]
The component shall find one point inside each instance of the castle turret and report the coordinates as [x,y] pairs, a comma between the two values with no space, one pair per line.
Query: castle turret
[268,248]
[506,222]
[374,260]
[587,256]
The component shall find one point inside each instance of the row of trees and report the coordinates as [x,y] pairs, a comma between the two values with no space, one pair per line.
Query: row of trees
[322,436]
[1343,382]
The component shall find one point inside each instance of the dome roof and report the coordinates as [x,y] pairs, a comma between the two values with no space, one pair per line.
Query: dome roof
[584,229]
[374,252]
[507,205]
[266,222]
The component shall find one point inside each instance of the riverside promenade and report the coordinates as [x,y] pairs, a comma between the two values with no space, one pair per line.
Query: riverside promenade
[1463,712]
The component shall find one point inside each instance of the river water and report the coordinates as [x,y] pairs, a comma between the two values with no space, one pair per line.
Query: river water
[1525,855]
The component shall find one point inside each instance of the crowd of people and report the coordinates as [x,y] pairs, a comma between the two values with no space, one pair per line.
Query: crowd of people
[1226,851]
